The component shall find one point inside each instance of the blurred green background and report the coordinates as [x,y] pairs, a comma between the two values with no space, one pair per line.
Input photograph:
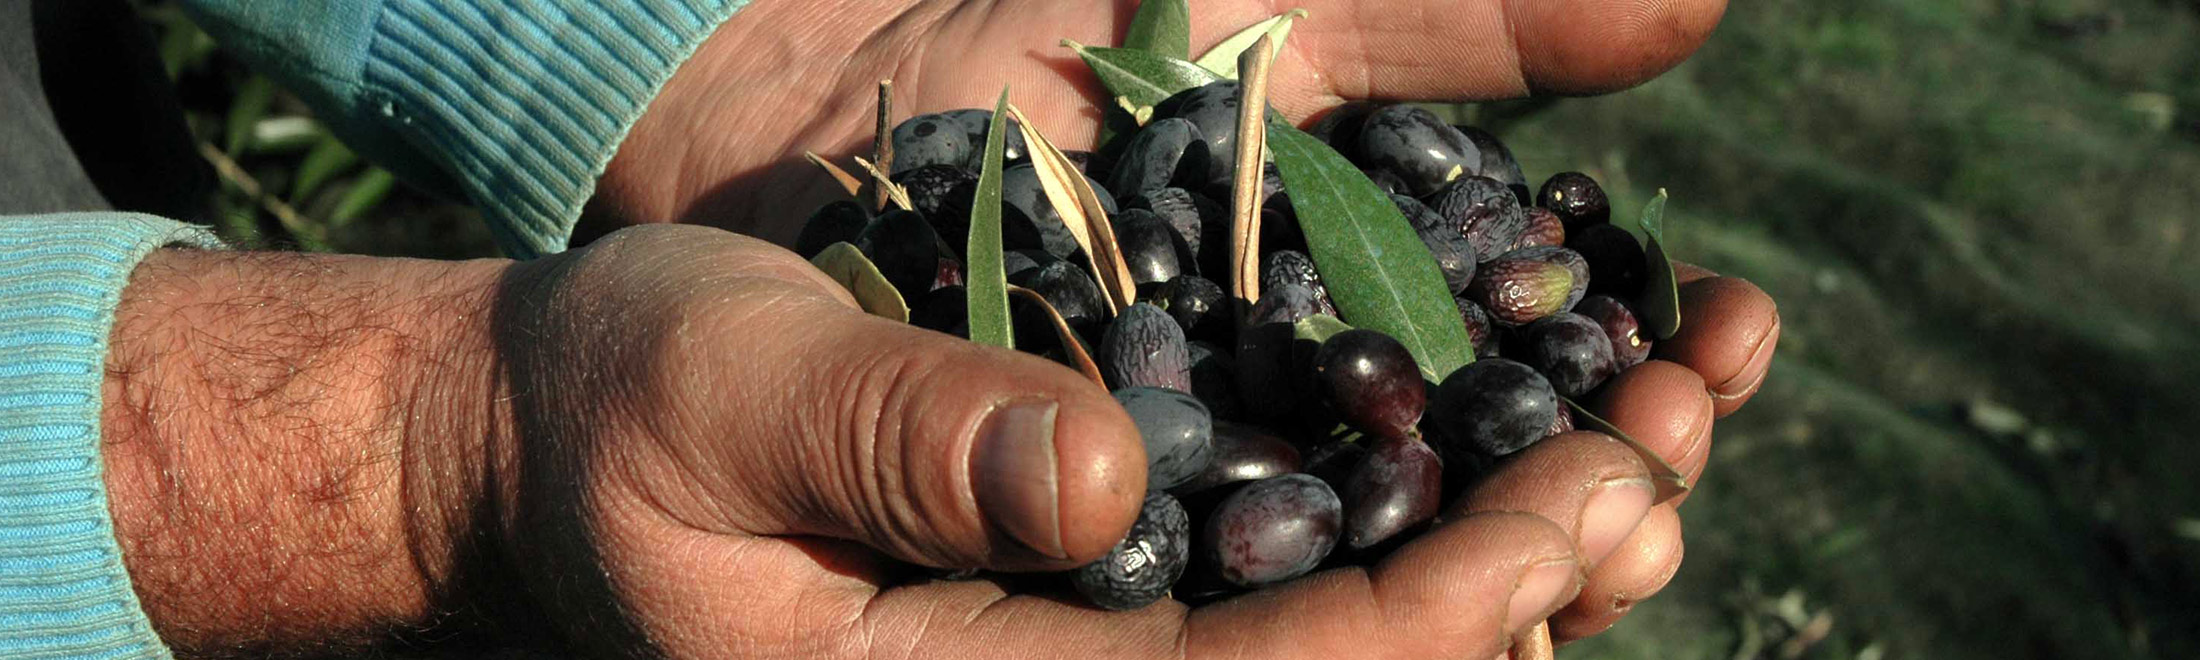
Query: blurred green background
[1977,217]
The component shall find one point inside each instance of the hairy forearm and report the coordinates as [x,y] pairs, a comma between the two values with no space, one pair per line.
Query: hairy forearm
[292,442]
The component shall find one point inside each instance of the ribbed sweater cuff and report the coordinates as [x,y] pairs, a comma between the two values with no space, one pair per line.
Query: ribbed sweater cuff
[528,100]
[63,590]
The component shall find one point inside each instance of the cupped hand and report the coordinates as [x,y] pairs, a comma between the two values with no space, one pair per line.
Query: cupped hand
[723,143]
[714,454]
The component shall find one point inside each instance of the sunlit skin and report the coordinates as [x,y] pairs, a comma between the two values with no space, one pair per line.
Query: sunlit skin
[691,442]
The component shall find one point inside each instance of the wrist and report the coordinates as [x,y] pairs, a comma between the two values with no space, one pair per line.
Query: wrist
[288,438]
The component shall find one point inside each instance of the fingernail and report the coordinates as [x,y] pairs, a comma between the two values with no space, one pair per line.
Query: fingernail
[1539,591]
[1013,470]
[1612,513]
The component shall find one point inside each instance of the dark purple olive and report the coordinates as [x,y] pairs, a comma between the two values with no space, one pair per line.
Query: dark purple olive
[930,140]
[1153,251]
[1629,345]
[1165,153]
[1212,107]
[976,123]
[1497,161]
[1543,229]
[1065,286]
[1199,306]
[838,222]
[1454,254]
[1292,267]
[1028,220]
[905,249]
[1274,530]
[1144,348]
[1333,461]
[1416,146]
[1371,381]
[1616,262]
[1177,430]
[1519,291]
[1490,408]
[1479,328]
[1142,567]
[1214,379]
[1243,453]
[1340,126]
[1266,373]
[946,309]
[1397,486]
[1561,423]
[1574,263]
[1577,199]
[1199,220]
[942,194]
[1484,211]
[1570,350]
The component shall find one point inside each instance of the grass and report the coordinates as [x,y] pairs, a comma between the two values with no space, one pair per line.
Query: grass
[1967,217]
[1978,217]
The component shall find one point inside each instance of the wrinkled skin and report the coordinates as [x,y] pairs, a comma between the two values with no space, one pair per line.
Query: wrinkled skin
[803,83]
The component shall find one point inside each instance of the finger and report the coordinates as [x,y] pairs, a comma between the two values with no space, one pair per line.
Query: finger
[791,413]
[1642,567]
[940,451]
[1663,406]
[1684,272]
[1728,332]
[1468,49]
[1586,482]
[1459,591]
[1412,50]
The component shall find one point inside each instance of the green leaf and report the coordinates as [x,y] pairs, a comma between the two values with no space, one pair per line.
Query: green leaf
[987,284]
[1161,27]
[1670,482]
[1223,58]
[1661,302]
[1378,271]
[367,193]
[855,272]
[1142,77]
[1318,328]
[328,158]
[251,103]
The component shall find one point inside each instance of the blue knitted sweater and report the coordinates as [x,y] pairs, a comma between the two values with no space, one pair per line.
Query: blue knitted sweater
[518,104]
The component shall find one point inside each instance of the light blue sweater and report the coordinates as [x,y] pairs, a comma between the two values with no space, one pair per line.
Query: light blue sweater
[517,104]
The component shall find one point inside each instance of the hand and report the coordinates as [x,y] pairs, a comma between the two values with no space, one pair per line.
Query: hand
[723,143]
[686,440]
[751,455]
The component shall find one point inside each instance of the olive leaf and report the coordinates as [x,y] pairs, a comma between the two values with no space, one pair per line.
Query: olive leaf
[1670,482]
[1071,194]
[855,272]
[1661,302]
[1245,201]
[987,283]
[1379,273]
[1223,58]
[1070,342]
[1142,77]
[1161,27]
[847,181]
[1318,328]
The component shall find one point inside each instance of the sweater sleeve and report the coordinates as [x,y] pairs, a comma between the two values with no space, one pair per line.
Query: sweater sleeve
[63,590]
[517,104]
